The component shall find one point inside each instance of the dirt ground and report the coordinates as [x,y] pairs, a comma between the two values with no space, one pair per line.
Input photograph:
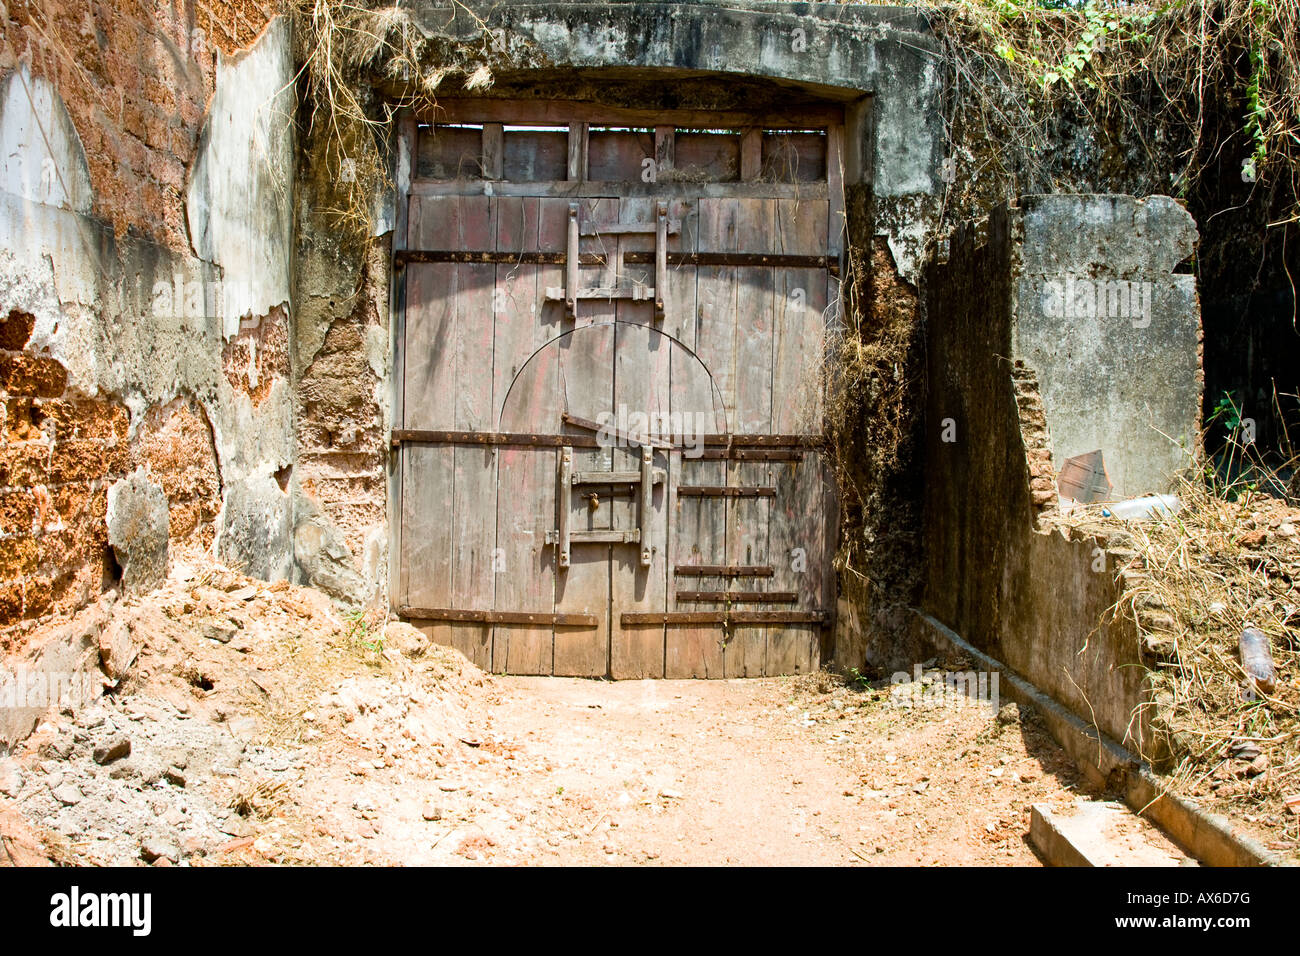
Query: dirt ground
[257,725]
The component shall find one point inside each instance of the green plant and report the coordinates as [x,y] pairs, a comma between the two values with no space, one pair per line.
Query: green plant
[363,632]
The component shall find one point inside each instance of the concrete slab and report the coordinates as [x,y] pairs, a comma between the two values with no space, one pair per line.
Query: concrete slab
[1096,833]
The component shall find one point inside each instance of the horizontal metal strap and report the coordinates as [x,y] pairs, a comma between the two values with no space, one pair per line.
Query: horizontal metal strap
[421,436]
[724,570]
[740,597]
[725,617]
[405,257]
[738,259]
[724,491]
[744,447]
[497,617]
[749,454]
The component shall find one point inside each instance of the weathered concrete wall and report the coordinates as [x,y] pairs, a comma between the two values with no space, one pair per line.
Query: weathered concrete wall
[1112,333]
[997,570]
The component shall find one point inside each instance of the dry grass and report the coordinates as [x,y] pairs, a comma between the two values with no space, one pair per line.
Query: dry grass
[1230,559]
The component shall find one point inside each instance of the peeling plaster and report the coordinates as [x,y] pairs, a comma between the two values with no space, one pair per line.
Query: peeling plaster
[240,195]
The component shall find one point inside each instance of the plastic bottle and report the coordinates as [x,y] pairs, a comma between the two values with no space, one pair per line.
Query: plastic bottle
[1257,659]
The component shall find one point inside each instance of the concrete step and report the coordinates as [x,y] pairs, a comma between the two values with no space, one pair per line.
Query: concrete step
[1099,833]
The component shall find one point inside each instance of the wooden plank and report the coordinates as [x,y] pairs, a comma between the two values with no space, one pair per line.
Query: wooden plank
[794,157]
[747,543]
[423,436]
[515,297]
[801,554]
[628,228]
[751,153]
[835,188]
[494,151]
[406,145]
[780,447]
[473,518]
[533,156]
[550,112]
[451,154]
[739,597]
[724,570]
[638,212]
[577,160]
[735,310]
[698,539]
[665,141]
[707,157]
[586,360]
[427,542]
[602,210]
[716,290]
[525,509]
[641,369]
[755,221]
[473,510]
[798,374]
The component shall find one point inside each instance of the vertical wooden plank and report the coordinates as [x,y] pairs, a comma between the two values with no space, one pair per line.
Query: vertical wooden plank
[586,359]
[428,393]
[698,536]
[665,143]
[641,389]
[716,286]
[473,519]
[427,535]
[638,210]
[747,543]
[473,511]
[680,319]
[754,308]
[835,187]
[798,377]
[751,154]
[592,311]
[577,152]
[800,557]
[494,151]
[525,507]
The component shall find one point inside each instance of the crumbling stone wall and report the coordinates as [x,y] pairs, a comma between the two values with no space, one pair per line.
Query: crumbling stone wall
[998,569]
[59,451]
[136,77]
[144,303]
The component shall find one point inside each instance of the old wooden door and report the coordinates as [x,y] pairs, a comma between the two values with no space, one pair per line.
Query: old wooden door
[611,344]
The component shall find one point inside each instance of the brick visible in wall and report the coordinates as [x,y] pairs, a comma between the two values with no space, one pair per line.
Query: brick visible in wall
[175,443]
[59,452]
[341,446]
[1038,443]
[258,355]
[136,77]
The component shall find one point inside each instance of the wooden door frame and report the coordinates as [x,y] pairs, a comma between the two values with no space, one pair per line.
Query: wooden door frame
[850,141]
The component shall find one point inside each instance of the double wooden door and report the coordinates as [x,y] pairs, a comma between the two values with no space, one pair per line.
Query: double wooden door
[608,449]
